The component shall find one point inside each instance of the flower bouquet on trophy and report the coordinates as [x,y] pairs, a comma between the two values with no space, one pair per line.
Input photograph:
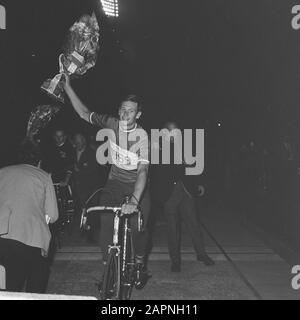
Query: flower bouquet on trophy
[79,55]
[38,120]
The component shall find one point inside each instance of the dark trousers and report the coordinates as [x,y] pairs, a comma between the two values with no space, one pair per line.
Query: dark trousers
[114,194]
[24,265]
[181,206]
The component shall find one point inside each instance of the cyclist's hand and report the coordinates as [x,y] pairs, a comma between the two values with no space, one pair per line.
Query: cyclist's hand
[129,208]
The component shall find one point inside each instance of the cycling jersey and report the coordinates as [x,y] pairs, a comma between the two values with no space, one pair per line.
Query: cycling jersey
[127,147]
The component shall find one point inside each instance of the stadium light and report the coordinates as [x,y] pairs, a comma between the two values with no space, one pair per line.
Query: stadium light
[111,7]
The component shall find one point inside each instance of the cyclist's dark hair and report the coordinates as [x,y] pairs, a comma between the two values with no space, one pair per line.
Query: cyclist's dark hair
[134,98]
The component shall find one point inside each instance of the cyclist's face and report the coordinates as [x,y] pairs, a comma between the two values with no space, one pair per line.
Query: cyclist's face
[129,113]
[60,137]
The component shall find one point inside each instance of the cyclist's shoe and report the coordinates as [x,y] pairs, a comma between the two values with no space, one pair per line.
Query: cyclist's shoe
[142,276]
[205,259]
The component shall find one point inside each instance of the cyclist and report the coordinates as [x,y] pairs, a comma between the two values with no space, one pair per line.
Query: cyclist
[128,148]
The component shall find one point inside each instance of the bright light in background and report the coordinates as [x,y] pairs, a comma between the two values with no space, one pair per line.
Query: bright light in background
[111,7]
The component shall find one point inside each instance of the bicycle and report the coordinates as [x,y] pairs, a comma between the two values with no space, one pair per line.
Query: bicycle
[120,270]
[66,211]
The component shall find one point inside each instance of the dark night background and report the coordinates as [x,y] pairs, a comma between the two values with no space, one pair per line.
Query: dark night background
[231,67]
[201,62]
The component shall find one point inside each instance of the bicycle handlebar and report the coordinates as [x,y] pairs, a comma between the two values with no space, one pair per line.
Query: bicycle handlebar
[105,208]
[84,213]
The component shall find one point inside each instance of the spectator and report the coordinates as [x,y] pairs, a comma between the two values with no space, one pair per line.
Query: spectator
[88,175]
[176,193]
[27,200]
[58,158]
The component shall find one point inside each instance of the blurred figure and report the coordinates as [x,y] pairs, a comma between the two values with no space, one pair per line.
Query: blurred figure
[93,143]
[250,182]
[284,171]
[58,158]
[27,203]
[175,191]
[88,175]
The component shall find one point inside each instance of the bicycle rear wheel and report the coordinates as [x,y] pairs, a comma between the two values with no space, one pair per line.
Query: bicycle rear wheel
[112,278]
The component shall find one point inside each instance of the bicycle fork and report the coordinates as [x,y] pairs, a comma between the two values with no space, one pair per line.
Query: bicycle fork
[115,245]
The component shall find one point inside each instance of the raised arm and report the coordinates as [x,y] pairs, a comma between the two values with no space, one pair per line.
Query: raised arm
[100,120]
[77,104]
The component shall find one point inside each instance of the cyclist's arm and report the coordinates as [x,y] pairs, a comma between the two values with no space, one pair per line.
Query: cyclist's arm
[142,167]
[141,181]
[94,118]
[77,104]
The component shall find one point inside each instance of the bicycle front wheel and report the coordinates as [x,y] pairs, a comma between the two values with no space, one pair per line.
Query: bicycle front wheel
[112,277]
[128,275]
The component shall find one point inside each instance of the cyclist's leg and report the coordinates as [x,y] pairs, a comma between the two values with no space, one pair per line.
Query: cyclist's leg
[106,233]
[140,239]
[112,196]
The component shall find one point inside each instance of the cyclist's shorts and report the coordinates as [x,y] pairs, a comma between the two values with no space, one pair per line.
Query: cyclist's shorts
[115,191]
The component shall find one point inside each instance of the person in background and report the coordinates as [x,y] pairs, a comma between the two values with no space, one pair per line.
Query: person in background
[88,176]
[58,158]
[27,205]
[175,192]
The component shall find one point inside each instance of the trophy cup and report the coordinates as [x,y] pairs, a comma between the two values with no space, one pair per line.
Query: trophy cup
[79,55]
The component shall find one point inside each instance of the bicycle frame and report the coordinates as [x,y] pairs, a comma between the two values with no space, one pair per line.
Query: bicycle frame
[65,214]
[117,218]
[120,245]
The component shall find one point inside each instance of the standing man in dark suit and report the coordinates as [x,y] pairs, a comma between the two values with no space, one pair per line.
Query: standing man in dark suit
[176,193]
